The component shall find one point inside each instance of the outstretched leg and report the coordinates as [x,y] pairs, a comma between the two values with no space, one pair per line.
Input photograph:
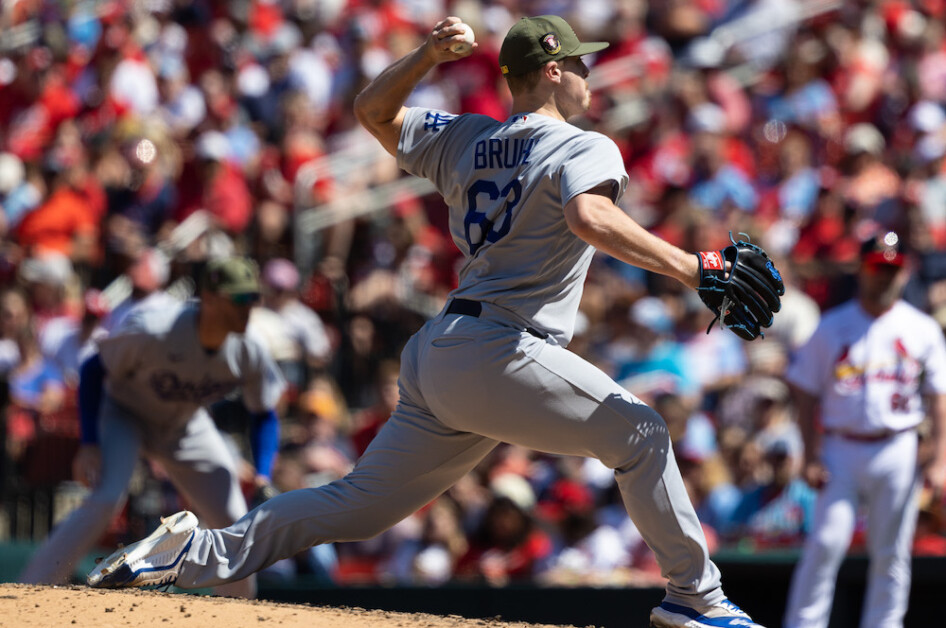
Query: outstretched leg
[411,461]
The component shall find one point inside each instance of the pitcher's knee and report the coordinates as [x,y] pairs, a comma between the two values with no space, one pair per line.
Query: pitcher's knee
[644,437]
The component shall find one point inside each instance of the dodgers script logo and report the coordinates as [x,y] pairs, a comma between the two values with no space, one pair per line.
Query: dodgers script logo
[169,387]
[435,120]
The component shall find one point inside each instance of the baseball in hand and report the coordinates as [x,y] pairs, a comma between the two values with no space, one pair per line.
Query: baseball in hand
[466,45]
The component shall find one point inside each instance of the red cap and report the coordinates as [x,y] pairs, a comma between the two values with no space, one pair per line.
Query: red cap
[884,249]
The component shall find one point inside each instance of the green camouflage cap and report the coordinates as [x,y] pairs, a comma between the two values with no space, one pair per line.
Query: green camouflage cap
[534,41]
[231,276]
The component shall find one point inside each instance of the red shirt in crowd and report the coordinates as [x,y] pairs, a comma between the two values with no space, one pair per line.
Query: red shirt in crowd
[53,225]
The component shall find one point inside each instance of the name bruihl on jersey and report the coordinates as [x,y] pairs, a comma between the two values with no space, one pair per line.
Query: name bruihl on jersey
[494,153]
[491,153]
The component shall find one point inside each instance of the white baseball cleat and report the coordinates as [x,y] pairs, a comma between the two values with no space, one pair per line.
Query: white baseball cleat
[723,614]
[153,561]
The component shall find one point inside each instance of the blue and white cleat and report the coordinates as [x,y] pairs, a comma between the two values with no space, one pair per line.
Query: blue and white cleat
[723,614]
[153,561]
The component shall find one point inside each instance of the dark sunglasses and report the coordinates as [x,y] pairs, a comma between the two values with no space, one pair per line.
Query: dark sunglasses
[248,298]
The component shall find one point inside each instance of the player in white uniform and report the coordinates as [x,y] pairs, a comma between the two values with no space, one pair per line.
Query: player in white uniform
[159,371]
[530,199]
[868,366]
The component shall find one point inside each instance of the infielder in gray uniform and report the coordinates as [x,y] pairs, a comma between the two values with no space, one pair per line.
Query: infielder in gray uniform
[160,370]
[530,199]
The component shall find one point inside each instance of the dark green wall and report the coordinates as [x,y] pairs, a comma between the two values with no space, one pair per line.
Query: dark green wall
[757,583]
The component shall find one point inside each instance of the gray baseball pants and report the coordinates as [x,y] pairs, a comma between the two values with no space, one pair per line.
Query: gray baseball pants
[196,458]
[467,384]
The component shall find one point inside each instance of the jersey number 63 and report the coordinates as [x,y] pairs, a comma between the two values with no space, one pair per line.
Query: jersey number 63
[480,226]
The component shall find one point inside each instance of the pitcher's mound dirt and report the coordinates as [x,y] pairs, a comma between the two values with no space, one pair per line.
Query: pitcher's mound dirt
[39,607]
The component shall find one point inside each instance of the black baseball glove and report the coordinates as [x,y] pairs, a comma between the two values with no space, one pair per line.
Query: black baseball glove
[745,296]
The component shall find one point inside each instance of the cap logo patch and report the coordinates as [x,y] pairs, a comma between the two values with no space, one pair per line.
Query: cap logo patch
[551,44]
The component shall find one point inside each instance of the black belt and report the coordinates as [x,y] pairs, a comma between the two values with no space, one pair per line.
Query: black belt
[466,307]
[873,437]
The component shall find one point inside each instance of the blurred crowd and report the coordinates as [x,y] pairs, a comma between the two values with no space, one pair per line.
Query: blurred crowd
[139,138]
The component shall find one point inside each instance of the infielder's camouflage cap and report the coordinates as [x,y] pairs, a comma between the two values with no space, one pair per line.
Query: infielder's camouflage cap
[534,41]
[233,276]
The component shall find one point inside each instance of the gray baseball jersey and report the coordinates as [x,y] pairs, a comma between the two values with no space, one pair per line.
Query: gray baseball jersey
[506,184]
[157,368]
[468,382]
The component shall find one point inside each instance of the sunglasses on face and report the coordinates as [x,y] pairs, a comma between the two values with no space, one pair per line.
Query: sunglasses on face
[244,299]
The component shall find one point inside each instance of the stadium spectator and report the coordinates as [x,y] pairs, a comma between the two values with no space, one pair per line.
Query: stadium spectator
[432,557]
[15,316]
[508,545]
[47,277]
[368,421]
[66,341]
[36,388]
[309,341]
[148,275]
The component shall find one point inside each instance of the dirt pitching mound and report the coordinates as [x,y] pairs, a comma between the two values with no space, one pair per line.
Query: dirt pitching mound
[41,606]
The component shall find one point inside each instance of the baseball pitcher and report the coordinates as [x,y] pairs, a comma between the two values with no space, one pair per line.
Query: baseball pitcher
[530,199]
